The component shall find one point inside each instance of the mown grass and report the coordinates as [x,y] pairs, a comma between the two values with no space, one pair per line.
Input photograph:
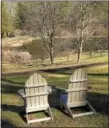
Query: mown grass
[12,103]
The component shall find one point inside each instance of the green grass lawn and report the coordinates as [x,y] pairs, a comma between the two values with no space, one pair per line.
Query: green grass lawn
[12,103]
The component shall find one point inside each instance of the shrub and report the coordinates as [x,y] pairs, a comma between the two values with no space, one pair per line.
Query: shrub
[15,56]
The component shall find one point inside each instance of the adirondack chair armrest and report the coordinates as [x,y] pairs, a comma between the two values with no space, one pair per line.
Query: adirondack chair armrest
[21,92]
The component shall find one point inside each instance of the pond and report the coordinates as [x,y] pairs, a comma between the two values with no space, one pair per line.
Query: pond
[62,45]
[37,50]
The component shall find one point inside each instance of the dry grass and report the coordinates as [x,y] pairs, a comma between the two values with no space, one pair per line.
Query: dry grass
[16,41]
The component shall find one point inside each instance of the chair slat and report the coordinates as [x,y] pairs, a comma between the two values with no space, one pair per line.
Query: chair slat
[77,81]
[76,90]
[37,93]
[77,87]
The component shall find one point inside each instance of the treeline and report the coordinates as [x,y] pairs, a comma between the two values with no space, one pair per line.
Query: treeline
[7,20]
[48,19]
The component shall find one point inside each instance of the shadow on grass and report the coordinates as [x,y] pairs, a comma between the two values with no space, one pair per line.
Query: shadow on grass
[13,82]
[56,70]
[6,124]
[20,110]
[98,74]
[10,88]
[95,56]
[69,72]
[98,101]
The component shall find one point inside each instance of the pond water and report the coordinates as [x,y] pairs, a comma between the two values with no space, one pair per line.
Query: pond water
[36,48]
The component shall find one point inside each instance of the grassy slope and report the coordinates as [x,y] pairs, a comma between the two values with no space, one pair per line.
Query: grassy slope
[98,80]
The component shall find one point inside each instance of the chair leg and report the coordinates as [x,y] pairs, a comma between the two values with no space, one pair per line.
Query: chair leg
[90,106]
[69,111]
[27,117]
[50,113]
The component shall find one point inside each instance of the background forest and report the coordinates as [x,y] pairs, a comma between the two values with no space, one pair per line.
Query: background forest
[58,28]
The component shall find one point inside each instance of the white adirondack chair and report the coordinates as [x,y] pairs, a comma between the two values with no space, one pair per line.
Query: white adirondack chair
[35,97]
[76,94]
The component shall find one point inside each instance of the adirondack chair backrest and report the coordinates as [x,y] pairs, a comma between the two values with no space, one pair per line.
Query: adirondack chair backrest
[77,87]
[36,91]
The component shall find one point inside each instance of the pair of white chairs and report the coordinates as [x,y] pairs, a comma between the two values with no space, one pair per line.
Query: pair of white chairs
[36,91]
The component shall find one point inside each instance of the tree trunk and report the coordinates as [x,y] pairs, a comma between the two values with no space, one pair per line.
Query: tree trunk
[42,61]
[90,54]
[79,53]
[78,60]
[51,55]
[67,57]
[101,53]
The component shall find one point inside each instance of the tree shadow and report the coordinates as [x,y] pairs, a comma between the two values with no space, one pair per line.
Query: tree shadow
[6,124]
[10,81]
[95,56]
[98,74]
[20,110]
[9,88]
[12,88]
[58,70]
[70,72]
[98,101]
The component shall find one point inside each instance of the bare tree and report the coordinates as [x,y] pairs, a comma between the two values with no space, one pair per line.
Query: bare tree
[45,18]
[79,20]
[51,16]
